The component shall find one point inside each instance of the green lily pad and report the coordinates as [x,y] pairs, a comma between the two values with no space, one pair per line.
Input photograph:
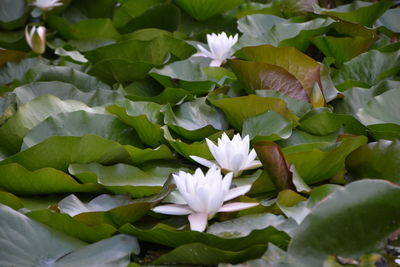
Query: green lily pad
[298,107]
[102,29]
[267,126]
[358,11]
[192,74]
[238,109]
[388,131]
[144,117]
[199,148]
[32,243]
[168,95]
[70,124]
[91,149]
[139,155]
[381,109]
[345,213]
[315,165]
[259,229]
[65,91]
[198,253]
[356,39]
[13,14]
[161,16]
[10,55]
[367,69]
[116,211]
[18,180]
[30,115]
[141,56]
[194,120]
[388,20]
[260,29]
[123,179]
[204,9]
[378,160]
[66,224]
[10,200]
[356,98]
[323,122]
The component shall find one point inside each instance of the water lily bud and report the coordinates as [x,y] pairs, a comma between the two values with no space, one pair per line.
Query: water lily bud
[36,38]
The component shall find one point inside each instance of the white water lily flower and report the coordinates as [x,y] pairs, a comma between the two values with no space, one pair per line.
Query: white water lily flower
[205,196]
[220,46]
[36,38]
[231,155]
[47,5]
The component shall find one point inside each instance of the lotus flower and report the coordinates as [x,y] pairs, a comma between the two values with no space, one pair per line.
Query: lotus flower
[47,5]
[204,196]
[231,155]
[36,38]
[220,48]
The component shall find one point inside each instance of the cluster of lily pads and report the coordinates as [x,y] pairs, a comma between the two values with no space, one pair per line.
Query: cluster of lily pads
[199,132]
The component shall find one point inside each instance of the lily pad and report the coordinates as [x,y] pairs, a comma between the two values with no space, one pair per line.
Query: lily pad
[260,29]
[123,179]
[30,115]
[144,117]
[195,120]
[65,91]
[204,9]
[199,148]
[238,109]
[26,246]
[192,74]
[18,180]
[267,126]
[315,165]
[85,29]
[259,75]
[259,229]
[358,11]
[198,253]
[68,124]
[345,213]
[65,223]
[381,109]
[301,66]
[378,160]
[91,149]
[373,67]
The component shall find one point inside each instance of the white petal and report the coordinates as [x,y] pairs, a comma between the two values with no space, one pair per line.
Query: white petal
[236,163]
[238,191]
[28,37]
[173,209]
[254,164]
[226,183]
[199,54]
[42,33]
[198,221]
[216,62]
[252,155]
[218,152]
[202,161]
[235,206]
[205,51]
